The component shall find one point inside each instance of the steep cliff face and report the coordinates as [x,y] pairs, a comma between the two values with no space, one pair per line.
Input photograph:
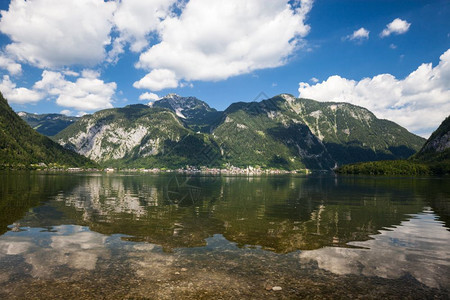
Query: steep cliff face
[114,133]
[130,136]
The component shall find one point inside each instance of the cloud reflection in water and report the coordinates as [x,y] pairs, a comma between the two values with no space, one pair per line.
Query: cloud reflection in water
[418,247]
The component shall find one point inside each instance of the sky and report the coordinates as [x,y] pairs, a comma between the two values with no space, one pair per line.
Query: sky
[80,56]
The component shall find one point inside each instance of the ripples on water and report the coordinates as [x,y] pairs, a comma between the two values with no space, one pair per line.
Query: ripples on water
[165,236]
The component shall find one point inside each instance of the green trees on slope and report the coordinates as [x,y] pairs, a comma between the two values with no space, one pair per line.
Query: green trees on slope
[21,146]
[432,159]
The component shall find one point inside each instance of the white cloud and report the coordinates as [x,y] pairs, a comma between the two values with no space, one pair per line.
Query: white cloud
[10,65]
[66,112]
[208,40]
[157,80]
[214,40]
[86,93]
[71,73]
[398,26]
[90,74]
[54,33]
[419,102]
[359,34]
[19,95]
[136,19]
[149,96]
[314,80]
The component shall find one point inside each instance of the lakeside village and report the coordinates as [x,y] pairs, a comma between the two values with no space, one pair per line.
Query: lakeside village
[229,170]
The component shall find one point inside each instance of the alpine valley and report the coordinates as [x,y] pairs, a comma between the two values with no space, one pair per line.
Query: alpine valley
[283,132]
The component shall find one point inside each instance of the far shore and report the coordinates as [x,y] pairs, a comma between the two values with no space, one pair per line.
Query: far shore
[249,171]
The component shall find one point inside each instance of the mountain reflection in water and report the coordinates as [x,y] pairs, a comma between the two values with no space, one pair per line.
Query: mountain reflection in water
[130,229]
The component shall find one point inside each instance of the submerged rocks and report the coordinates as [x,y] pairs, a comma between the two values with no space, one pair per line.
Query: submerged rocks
[269,287]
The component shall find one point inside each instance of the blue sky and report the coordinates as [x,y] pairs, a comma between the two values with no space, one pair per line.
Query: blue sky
[78,57]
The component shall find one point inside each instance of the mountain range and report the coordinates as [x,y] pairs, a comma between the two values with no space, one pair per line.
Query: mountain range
[47,124]
[282,132]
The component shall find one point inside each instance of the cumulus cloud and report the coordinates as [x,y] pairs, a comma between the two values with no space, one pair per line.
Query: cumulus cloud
[157,80]
[419,102]
[398,26]
[149,96]
[135,20]
[54,33]
[10,65]
[18,95]
[86,93]
[180,41]
[214,40]
[90,74]
[359,34]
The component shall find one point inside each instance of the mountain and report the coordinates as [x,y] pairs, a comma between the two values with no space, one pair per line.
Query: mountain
[437,147]
[317,134]
[282,132]
[352,133]
[21,146]
[136,136]
[264,134]
[196,114]
[432,159]
[47,124]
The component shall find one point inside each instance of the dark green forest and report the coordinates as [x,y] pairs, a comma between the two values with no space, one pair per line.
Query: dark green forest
[22,147]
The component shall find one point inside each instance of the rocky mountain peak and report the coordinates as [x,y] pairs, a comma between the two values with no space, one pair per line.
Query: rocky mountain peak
[172,95]
[288,97]
[184,107]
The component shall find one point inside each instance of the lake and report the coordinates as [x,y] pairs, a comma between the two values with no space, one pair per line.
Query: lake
[132,236]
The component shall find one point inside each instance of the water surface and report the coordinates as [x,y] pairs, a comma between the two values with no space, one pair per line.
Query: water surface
[171,236]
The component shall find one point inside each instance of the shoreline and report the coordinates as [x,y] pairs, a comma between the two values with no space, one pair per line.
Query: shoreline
[250,171]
